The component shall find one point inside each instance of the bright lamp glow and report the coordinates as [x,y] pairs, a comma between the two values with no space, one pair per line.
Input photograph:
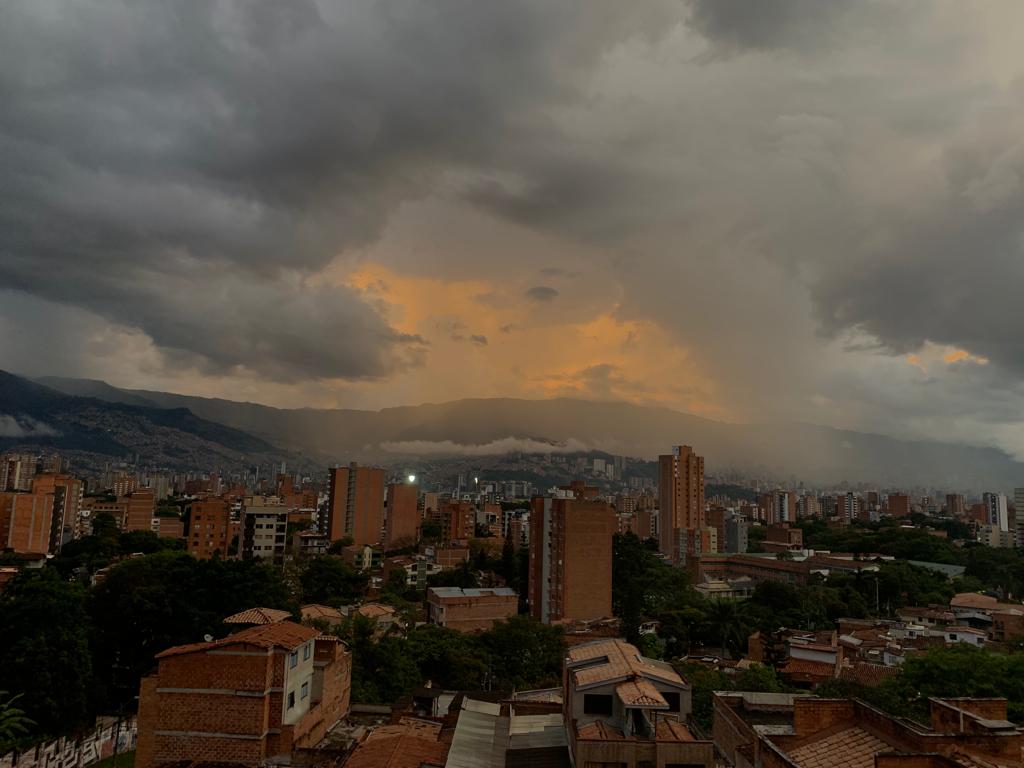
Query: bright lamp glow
[412,478]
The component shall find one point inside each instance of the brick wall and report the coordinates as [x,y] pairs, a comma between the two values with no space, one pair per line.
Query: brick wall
[472,613]
[729,730]
[812,715]
[946,713]
[148,717]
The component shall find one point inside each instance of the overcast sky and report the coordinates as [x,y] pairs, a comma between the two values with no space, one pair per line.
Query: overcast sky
[788,209]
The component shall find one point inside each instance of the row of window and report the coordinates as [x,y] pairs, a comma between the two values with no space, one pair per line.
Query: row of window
[303,693]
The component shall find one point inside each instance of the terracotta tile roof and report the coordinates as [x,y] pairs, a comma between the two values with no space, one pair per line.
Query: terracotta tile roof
[871,675]
[408,744]
[640,693]
[615,659]
[672,730]
[376,610]
[973,600]
[317,612]
[284,634]
[258,616]
[599,731]
[850,747]
[807,668]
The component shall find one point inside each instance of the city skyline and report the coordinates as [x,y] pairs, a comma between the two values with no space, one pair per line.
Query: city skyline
[804,214]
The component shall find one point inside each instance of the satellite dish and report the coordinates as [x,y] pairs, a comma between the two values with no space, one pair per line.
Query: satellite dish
[208,638]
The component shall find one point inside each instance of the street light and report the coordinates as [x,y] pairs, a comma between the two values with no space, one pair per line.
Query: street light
[412,478]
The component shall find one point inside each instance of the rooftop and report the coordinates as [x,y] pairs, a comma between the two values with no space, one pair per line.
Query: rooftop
[376,610]
[258,616]
[846,746]
[284,634]
[640,693]
[473,592]
[410,743]
[604,661]
[315,612]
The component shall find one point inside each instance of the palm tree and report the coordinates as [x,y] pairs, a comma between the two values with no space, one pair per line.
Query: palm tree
[724,619]
[13,722]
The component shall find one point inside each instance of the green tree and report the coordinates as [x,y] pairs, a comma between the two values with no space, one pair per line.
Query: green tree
[725,622]
[430,530]
[151,603]
[338,545]
[446,657]
[462,576]
[44,650]
[523,653]
[329,580]
[14,724]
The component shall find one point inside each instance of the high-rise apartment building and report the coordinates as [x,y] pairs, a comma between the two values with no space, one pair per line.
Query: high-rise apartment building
[829,506]
[808,506]
[356,504]
[956,504]
[681,499]
[899,505]
[402,517]
[209,529]
[997,512]
[264,531]
[851,506]
[67,493]
[17,471]
[778,507]
[570,559]
[26,520]
[141,509]
[1018,506]
[458,520]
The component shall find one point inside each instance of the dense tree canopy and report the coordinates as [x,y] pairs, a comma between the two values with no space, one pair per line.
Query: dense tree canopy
[516,654]
[150,603]
[44,650]
[331,581]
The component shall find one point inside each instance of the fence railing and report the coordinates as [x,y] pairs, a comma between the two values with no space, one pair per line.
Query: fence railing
[79,752]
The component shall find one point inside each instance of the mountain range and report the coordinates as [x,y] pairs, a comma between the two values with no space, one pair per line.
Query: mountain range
[811,453]
[92,430]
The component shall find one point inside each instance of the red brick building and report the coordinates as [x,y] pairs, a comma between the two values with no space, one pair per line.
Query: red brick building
[141,509]
[209,528]
[67,503]
[571,559]
[26,520]
[403,515]
[471,610]
[261,692]
[680,500]
[356,504]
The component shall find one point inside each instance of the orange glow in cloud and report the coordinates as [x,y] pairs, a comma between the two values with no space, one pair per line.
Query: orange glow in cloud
[932,354]
[959,355]
[489,340]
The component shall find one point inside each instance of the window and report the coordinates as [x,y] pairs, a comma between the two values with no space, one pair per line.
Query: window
[597,704]
[672,699]
[293,659]
[291,699]
[305,691]
[306,651]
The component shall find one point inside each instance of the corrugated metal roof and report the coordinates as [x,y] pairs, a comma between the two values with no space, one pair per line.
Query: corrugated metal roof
[480,737]
[473,591]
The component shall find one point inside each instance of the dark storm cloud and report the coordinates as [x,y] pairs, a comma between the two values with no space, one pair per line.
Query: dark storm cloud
[184,168]
[766,23]
[542,293]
